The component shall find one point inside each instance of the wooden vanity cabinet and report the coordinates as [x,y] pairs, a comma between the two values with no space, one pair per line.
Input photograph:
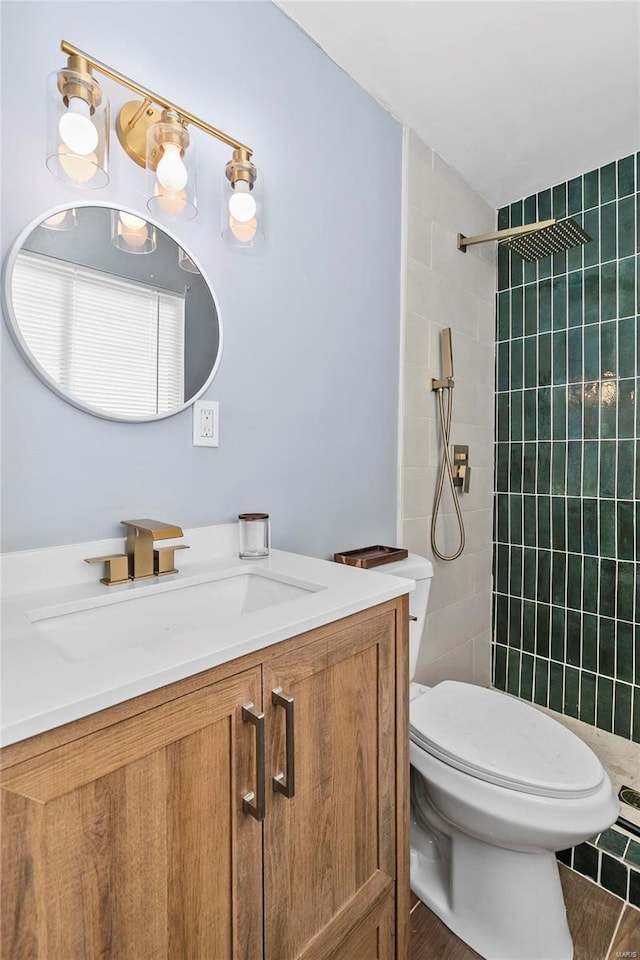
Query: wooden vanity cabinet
[126,836]
[330,850]
[129,843]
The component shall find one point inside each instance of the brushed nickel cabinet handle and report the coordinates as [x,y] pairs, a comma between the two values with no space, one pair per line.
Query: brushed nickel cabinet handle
[284,782]
[250,714]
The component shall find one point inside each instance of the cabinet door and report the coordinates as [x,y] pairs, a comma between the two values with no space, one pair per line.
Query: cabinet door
[131,843]
[330,848]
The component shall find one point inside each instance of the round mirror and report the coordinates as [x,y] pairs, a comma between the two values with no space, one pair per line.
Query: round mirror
[112,313]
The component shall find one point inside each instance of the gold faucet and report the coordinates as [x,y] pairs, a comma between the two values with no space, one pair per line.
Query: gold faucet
[142,559]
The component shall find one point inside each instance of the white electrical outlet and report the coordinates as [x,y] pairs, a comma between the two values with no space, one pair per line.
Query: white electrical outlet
[205,423]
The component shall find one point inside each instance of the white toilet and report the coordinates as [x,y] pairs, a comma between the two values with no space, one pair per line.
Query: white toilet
[496,788]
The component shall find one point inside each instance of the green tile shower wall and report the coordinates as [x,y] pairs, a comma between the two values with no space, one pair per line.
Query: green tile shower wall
[567,476]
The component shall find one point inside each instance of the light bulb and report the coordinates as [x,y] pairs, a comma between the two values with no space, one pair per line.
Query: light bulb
[132,222]
[171,204]
[80,169]
[134,239]
[55,220]
[243,231]
[65,220]
[242,205]
[133,230]
[77,131]
[171,171]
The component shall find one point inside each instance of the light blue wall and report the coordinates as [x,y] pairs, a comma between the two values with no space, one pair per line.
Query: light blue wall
[308,383]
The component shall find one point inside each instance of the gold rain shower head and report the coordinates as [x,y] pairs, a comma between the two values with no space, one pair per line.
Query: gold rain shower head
[533,241]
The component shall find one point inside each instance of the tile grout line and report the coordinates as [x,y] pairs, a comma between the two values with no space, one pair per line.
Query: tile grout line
[612,942]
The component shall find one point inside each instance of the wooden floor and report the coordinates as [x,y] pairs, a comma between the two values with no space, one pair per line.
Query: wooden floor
[601,926]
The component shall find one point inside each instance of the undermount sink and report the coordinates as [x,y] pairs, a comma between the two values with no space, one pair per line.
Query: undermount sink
[146,615]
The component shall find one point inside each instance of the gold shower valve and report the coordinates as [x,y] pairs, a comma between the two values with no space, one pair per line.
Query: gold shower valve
[461,468]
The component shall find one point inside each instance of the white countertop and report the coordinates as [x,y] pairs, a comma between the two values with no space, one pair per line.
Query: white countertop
[43,687]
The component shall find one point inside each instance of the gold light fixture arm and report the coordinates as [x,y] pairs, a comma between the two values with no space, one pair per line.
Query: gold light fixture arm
[151,97]
[464,242]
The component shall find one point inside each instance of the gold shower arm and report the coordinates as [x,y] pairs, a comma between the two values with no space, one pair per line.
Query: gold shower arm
[464,242]
[151,97]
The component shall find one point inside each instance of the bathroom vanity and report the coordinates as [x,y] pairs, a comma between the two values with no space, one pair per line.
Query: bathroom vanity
[254,806]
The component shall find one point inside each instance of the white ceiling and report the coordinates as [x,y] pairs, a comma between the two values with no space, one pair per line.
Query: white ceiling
[517,95]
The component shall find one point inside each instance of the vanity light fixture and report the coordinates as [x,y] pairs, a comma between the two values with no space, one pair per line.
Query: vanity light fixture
[240,207]
[154,133]
[77,125]
[132,234]
[171,169]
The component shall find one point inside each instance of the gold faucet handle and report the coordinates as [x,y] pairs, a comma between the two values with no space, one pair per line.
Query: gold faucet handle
[163,559]
[116,568]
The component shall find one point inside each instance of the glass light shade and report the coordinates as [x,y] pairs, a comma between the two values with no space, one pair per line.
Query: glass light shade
[77,129]
[243,213]
[132,234]
[171,173]
[64,220]
[185,262]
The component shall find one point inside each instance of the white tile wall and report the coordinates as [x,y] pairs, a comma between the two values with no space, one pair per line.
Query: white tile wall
[446,288]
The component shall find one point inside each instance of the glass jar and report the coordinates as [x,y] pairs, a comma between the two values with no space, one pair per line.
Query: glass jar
[254,534]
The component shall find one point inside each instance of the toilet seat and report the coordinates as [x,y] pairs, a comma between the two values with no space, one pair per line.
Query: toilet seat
[499,739]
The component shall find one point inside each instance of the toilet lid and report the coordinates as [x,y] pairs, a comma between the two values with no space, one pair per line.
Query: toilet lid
[497,738]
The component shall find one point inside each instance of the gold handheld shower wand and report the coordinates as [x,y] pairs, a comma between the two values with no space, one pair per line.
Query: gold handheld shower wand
[447,353]
[446,467]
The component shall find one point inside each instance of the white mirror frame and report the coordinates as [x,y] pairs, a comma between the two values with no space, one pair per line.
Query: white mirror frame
[14,329]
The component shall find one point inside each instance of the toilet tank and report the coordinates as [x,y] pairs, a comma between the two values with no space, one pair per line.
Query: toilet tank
[413,567]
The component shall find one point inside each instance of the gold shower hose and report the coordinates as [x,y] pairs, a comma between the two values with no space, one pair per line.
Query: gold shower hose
[445,466]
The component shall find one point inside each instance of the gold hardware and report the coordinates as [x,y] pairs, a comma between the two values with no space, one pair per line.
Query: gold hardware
[151,97]
[76,81]
[79,64]
[461,468]
[464,242]
[116,568]
[562,235]
[447,382]
[163,559]
[250,714]
[447,353]
[532,241]
[284,782]
[240,168]
[442,384]
[132,124]
[177,133]
[140,537]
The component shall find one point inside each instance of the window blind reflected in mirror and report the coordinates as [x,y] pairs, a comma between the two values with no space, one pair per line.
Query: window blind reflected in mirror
[111,343]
